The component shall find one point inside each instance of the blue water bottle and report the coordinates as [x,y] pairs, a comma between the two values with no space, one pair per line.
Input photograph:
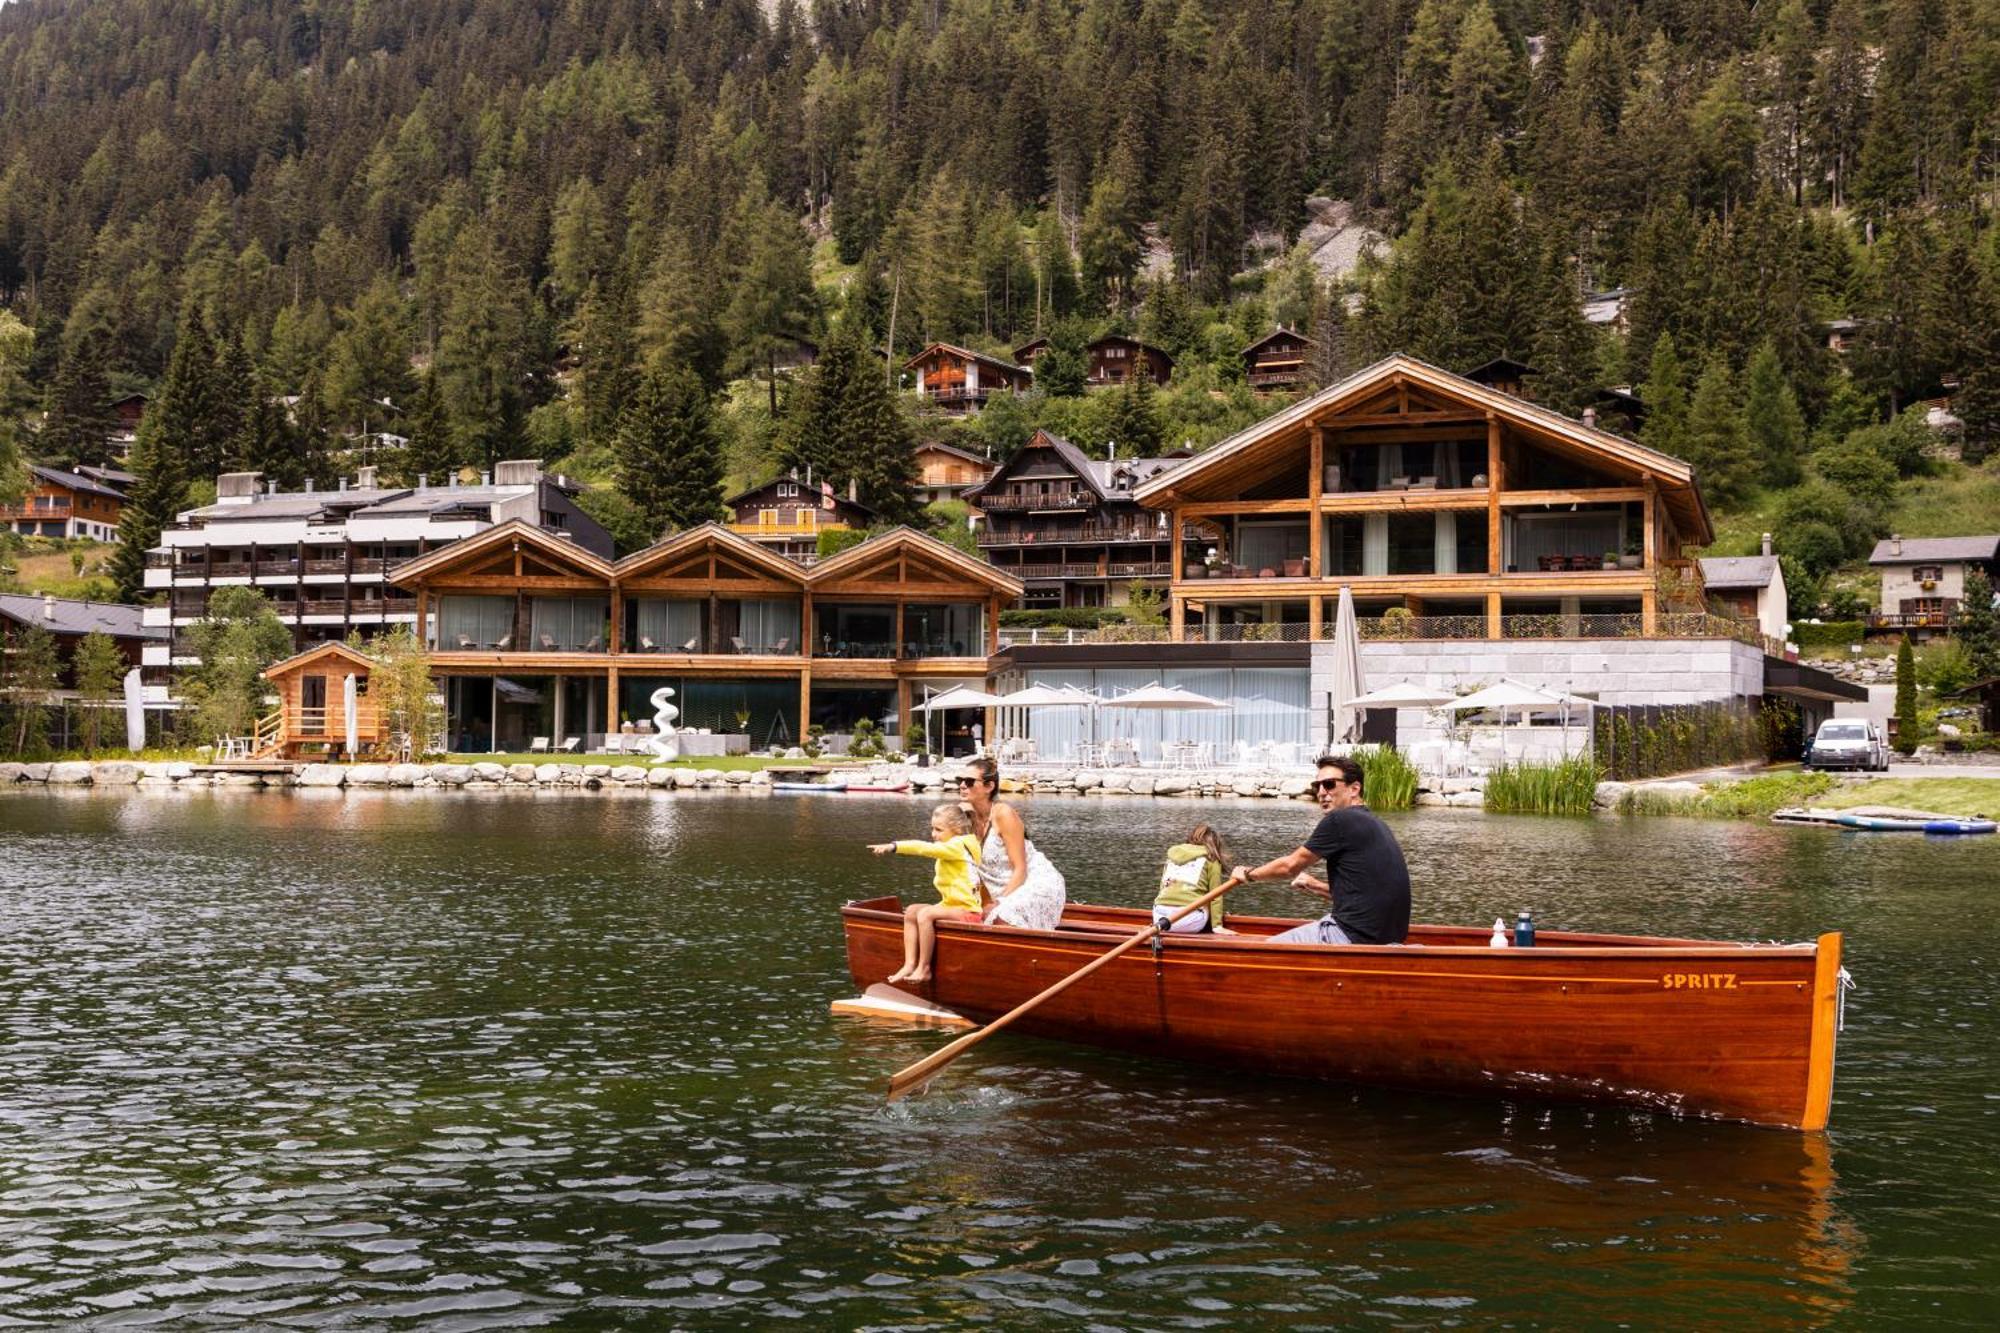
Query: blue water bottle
[1524,931]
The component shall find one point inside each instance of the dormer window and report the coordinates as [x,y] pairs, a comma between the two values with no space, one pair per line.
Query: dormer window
[787,490]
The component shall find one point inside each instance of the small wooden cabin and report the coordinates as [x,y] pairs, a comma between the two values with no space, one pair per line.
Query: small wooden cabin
[1277,360]
[1114,359]
[312,716]
[959,379]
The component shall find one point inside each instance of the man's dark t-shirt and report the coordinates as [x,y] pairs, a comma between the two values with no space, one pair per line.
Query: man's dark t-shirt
[1365,868]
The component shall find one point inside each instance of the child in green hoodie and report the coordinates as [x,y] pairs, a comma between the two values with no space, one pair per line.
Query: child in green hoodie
[1193,868]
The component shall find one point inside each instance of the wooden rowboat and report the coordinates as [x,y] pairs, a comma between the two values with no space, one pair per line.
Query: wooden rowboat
[1695,1027]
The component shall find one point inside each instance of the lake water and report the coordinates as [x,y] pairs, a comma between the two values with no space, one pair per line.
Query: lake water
[492,1061]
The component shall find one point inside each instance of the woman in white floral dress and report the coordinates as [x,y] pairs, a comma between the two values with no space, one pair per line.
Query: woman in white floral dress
[1028,891]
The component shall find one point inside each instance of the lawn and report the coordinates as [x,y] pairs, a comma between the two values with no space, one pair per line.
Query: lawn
[1964,797]
[38,569]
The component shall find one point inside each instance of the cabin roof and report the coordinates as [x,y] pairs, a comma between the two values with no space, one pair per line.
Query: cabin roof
[1282,331]
[711,533]
[969,355]
[939,446]
[1501,369]
[1072,457]
[1503,405]
[72,616]
[812,490]
[513,530]
[331,648]
[1923,550]
[1723,572]
[974,569]
[72,481]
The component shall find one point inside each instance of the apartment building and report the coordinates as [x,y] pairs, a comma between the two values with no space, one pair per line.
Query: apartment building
[323,556]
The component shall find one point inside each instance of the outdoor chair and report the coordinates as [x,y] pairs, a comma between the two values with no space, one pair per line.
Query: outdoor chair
[595,643]
[647,645]
[506,642]
[692,645]
[569,745]
[540,745]
[548,643]
[465,641]
[738,645]
[783,645]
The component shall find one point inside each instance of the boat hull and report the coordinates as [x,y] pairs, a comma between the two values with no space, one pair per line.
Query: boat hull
[1741,1032]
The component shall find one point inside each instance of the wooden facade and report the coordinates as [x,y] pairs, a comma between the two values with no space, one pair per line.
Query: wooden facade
[959,379]
[706,608]
[1277,361]
[787,515]
[1421,489]
[66,505]
[1113,360]
[945,472]
[312,705]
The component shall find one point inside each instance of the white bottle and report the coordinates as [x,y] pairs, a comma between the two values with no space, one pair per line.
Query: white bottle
[1499,940]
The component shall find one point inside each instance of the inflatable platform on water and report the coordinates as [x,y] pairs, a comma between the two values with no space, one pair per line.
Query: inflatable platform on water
[1885,819]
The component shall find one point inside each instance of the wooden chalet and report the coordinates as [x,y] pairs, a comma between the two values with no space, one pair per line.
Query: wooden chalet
[65,504]
[1428,491]
[1277,360]
[1114,359]
[788,515]
[946,472]
[533,637]
[959,379]
[1067,526]
[312,705]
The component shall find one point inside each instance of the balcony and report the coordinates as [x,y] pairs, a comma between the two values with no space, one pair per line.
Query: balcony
[1088,533]
[277,569]
[37,507]
[323,606]
[229,569]
[1055,500]
[1909,620]
[1622,625]
[800,528]
[327,565]
[369,564]
[1274,379]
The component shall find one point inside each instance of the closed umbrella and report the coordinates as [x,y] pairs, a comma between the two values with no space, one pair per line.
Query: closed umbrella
[1343,718]
[135,712]
[350,712]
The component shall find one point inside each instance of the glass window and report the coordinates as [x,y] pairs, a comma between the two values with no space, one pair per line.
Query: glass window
[667,625]
[950,629]
[569,623]
[768,625]
[473,622]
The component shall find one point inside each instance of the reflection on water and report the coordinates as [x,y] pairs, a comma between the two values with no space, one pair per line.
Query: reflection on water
[371,1061]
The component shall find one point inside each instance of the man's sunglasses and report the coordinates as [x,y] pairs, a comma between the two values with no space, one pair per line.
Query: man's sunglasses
[1327,784]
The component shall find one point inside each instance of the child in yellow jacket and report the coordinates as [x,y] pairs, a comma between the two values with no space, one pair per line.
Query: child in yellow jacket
[961,891]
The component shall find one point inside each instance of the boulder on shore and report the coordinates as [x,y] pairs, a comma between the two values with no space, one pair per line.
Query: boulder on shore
[72,774]
[322,775]
[117,773]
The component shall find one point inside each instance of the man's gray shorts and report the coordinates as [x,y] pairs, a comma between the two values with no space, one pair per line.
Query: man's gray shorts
[1323,931]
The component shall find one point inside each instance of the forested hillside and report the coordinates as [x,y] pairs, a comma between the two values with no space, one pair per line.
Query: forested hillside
[581,231]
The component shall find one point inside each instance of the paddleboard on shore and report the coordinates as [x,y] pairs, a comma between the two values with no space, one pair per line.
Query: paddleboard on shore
[831,787]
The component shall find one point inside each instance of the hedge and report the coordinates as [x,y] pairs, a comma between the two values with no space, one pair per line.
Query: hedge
[1828,634]
[1067,617]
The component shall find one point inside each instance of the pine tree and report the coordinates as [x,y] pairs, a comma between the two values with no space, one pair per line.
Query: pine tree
[480,349]
[1977,625]
[268,445]
[432,452]
[33,672]
[1906,698]
[175,437]
[1565,347]
[669,456]
[1777,428]
[1133,424]
[1717,444]
[772,293]
[1055,272]
[1666,400]
[678,323]
[80,421]
[238,388]
[603,338]
[1063,365]
[844,425]
[17,345]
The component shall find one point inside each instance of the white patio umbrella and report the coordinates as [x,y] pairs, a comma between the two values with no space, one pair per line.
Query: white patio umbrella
[958,696]
[1343,718]
[135,712]
[350,714]
[1403,695]
[1050,696]
[1503,696]
[1157,695]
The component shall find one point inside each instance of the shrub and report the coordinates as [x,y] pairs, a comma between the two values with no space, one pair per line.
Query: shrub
[1945,666]
[1906,698]
[867,742]
[1826,634]
[1564,787]
[1067,617]
[1388,780]
[836,540]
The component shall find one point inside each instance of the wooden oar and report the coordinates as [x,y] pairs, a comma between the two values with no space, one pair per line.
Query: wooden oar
[909,1079]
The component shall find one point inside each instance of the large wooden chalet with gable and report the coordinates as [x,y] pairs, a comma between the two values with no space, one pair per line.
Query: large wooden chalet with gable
[958,379]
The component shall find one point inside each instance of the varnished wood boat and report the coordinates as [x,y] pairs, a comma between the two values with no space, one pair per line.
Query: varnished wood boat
[1694,1027]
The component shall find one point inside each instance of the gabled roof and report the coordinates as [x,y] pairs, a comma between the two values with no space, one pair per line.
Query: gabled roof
[1027,350]
[502,536]
[77,617]
[740,548]
[1923,550]
[1500,369]
[940,446]
[1280,331]
[969,355]
[1072,457]
[929,547]
[70,481]
[1130,341]
[1738,571]
[1503,405]
[331,648]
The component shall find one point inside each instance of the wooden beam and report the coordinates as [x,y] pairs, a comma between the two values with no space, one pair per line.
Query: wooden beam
[1315,489]
[617,644]
[1649,612]
[1177,615]
[1353,439]
[1586,496]
[1228,508]
[1396,502]
[1344,422]
[1492,615]
[1652,499]
[805,704]
[1494,481]
[1316,613]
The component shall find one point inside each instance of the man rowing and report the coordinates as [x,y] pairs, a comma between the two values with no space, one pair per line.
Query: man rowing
[1367,881]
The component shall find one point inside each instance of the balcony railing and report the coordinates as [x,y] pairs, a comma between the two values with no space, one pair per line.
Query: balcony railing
[283,569]
[229,569]
[36,508]
[368,564]
[325,606]
[327,565]
[1619,625]
[1264,379]
[1078,499]
[1904,620]
[1087,533]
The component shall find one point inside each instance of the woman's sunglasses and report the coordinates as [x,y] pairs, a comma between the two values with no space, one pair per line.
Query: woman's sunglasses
[970,782]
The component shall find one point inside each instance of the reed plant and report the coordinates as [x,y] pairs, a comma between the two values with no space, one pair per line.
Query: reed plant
[1564,787]
[1388,780]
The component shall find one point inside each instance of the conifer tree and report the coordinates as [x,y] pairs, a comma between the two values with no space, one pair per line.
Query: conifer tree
[267,444]
[80,421]
[772,293]
[432,452]
[1977,625]
[843,425]
[1063,365]
[1132,423]
[1771,415]
[237,391]
[1055,272]
[669,456]
[1666,401]
[17,345]
[677,323]
[175,437]
[32,674]
[1564,349]
[99,669]
[1716,442]
[481,345]
[602,337]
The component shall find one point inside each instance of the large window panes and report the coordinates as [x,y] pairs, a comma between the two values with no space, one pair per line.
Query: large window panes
[1567,539]
[569,624]
[1266,705]
[1372,545]
[1267,545]
[468,706]
[766,710]
[768,625]
[1444,465]
[944,629]
[855,629]
[474,622]
[666,625]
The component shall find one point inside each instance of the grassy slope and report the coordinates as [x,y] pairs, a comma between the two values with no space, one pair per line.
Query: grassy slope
[52,572]
[1948,796]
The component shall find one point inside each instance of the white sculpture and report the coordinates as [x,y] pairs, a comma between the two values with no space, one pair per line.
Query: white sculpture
[665,742]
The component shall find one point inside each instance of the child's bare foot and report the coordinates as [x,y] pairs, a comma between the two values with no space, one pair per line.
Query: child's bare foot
[900,974]
[919,977]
